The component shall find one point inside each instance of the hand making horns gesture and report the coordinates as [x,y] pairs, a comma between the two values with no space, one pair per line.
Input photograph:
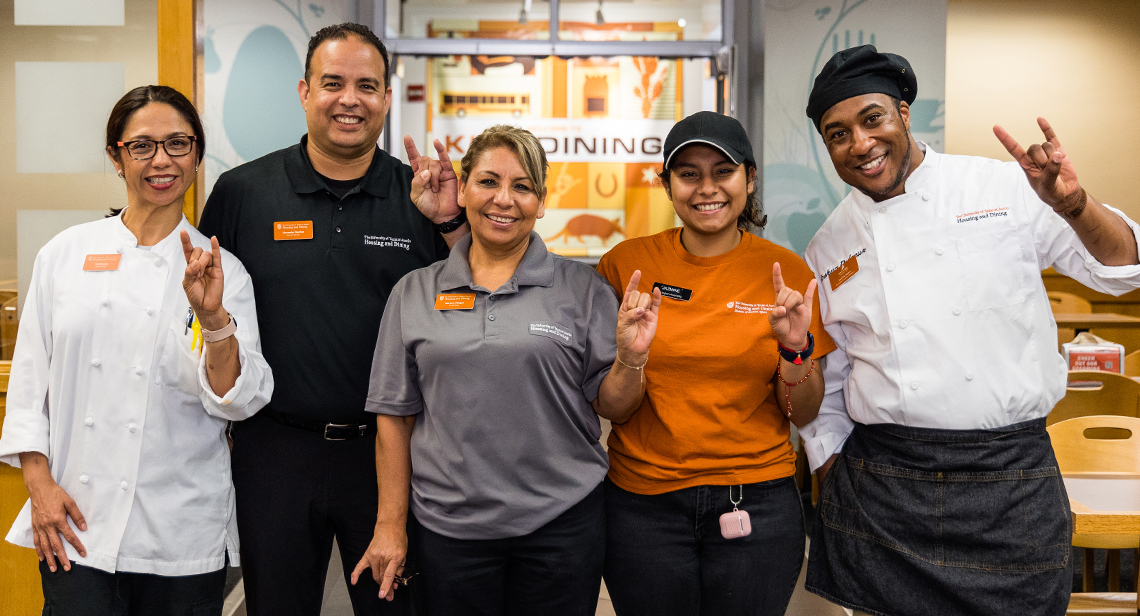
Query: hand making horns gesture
[203,282]
[1050,172]
[791,316]
[435,188]
[637,322]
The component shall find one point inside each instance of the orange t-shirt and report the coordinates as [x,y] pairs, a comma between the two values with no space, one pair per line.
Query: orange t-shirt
[709,416]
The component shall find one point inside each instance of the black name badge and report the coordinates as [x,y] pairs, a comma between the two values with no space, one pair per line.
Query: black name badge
[673,292]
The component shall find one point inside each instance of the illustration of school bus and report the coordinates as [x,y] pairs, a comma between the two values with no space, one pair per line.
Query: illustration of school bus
[461,104]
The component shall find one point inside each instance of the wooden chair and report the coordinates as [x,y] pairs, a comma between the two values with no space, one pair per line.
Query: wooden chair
[1060,301]
[1099,444]
[1102,604]
[1132,364]
[1097,393]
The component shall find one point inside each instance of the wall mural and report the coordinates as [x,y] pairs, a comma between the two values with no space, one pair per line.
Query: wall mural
[602,122]
[801,187]
[254,55]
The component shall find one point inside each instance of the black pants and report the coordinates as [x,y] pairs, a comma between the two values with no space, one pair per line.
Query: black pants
[85,591]
[666,555]
[295,493]
[554,571]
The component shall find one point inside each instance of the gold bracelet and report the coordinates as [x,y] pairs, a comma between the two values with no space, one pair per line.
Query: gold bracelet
[640,372]
[618,357]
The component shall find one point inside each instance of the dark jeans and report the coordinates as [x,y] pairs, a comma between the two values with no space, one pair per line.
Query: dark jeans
[927,522]
[665,553]
[295,493]
[85,591]
[554,571]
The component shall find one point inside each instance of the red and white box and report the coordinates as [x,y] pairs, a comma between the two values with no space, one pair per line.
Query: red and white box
[1105,356]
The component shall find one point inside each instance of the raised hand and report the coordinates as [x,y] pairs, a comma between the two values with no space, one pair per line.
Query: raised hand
[637,322]
[435,188]
[1050,172]
[791,316]
[203,282]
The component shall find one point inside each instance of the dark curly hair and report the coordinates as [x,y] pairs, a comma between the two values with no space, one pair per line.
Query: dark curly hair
[752,218]
[340,32]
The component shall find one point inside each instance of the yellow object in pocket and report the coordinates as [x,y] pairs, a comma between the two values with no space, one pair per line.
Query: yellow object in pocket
[196,341]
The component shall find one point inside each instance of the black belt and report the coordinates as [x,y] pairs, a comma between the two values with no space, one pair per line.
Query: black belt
[330,431]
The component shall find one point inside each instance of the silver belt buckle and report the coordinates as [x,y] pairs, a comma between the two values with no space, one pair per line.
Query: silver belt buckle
[362,429]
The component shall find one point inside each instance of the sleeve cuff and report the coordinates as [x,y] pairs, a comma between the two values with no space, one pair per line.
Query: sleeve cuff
[240,401]
[1128,274]
[820,448]
[590,389]
[395,410]
[24,431]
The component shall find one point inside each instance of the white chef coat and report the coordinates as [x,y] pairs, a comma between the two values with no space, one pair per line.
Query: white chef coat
[947,323]
[105,384]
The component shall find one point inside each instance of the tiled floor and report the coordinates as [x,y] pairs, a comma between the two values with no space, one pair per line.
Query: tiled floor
[336,599]
[336,592]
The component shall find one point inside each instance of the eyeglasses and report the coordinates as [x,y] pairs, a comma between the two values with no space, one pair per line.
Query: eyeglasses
[403,581]
[145,149]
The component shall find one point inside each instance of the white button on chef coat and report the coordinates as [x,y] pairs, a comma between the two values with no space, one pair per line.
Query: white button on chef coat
[998,236]
[161,501]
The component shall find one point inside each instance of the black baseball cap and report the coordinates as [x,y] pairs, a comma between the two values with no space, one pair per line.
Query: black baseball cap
[719,131]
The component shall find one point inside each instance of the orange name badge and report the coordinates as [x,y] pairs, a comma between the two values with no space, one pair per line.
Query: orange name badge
[844,272]
[293,230]
[102,263]
[455,301]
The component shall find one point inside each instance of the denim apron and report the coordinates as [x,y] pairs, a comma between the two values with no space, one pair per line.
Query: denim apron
[926,522]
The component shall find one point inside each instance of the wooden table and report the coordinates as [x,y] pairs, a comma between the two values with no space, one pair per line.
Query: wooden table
[1089,320]
[1104,504]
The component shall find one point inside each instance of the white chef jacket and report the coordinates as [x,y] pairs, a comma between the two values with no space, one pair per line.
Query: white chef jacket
[105,384]
[947,323]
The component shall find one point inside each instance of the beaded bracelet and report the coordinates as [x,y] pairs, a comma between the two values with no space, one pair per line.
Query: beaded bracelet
[788,386]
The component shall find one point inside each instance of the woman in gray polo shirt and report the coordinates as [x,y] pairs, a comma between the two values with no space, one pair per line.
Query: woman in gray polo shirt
[490,372]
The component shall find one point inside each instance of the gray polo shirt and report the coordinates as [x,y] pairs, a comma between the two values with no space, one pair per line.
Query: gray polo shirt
[505,437]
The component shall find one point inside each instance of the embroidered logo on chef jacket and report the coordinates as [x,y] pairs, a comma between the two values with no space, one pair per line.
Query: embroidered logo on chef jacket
[384,241]
[997,212]
[552,331]
[747,308]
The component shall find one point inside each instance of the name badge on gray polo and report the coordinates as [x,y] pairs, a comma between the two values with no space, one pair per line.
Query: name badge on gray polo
[552,331]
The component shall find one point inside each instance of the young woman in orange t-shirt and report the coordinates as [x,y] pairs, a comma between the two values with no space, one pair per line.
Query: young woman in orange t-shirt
[734,361]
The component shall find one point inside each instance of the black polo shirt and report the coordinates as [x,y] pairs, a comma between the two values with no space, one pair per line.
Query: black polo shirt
[319,300]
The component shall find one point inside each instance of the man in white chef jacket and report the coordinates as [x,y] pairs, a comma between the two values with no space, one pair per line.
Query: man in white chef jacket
[940,493]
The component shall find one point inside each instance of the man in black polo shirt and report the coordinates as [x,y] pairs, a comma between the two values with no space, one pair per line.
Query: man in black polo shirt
[325,228]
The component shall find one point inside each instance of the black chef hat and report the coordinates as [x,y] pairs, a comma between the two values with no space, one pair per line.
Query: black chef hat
[857,71]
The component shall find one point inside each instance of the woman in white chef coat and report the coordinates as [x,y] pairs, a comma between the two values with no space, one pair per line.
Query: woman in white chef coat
[138,342]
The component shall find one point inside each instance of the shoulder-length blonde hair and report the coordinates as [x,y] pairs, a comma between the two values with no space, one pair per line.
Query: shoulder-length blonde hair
[522,142]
